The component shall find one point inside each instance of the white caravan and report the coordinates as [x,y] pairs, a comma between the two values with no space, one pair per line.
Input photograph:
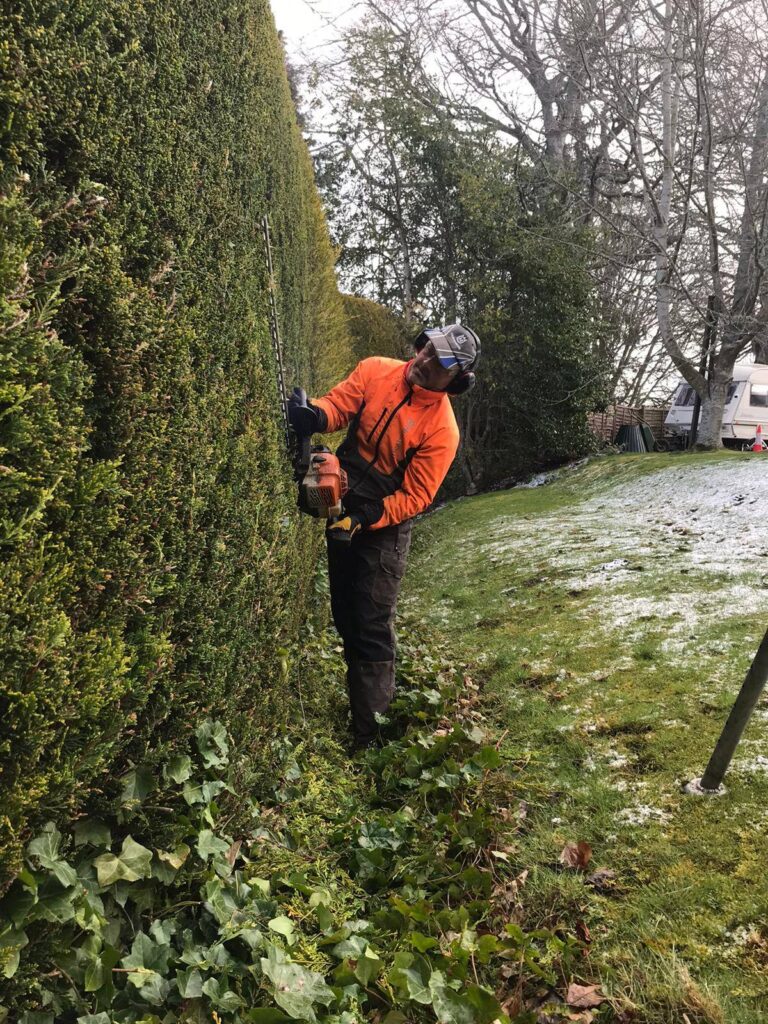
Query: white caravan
[746,405]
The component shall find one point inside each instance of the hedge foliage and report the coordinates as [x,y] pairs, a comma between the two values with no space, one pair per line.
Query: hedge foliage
[376,330]
[152,563]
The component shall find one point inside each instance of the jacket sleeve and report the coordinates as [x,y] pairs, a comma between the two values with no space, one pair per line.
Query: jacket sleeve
[425,473]
[342,402]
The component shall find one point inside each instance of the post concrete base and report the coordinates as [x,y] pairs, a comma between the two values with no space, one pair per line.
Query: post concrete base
[695,788]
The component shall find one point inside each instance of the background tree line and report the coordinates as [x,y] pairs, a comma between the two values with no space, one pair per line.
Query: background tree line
[629,142]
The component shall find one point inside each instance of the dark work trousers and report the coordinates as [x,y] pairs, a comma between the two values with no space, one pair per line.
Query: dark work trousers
[365,577]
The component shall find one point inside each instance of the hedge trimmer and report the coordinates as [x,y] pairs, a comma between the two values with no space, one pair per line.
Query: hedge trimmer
[322,482]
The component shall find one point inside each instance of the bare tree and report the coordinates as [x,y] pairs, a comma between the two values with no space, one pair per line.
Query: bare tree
[653,119]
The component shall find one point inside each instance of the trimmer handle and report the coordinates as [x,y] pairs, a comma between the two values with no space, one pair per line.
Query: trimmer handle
[303,419]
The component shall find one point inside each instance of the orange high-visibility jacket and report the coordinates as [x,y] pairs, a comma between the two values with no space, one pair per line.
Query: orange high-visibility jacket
[401,440]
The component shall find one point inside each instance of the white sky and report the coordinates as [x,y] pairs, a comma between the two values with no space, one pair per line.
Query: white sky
[311,24]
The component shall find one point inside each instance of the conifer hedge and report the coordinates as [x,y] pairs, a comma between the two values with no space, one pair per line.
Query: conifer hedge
[151,564]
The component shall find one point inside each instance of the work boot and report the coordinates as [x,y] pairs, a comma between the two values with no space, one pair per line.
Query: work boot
[371,687]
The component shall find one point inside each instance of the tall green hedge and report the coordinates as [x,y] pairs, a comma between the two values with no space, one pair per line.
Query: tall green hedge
[152,564]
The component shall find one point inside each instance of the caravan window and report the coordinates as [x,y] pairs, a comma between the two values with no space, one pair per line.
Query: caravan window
[759,395]
[686,395]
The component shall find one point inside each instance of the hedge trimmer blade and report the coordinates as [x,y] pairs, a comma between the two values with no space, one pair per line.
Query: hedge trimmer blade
[275,332]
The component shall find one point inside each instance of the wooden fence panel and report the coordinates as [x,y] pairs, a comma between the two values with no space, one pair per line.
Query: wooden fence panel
[606,424]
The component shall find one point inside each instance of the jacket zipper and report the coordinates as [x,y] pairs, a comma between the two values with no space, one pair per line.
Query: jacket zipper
[385,428]
[378,421]
[394,413]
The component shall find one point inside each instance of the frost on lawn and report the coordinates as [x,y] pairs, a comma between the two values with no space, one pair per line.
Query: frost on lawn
[682,547]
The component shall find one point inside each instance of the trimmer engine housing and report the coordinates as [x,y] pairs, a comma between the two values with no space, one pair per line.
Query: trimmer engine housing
[323,484]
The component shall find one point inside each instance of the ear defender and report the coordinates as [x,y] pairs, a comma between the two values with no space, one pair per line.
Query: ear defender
[461,384]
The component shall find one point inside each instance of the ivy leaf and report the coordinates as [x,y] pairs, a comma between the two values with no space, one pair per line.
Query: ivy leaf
[137,785]
[162,930]
[65,873]
[18,904]
[94,976]
[153,987]
[296,989]
[193,793]
[412,973]
[211,789]
[27,879]
[36,1017]
[15,941]
[169,863]
[179,768]
[487,757]
[133,863]
[190,983]
[324,918]
[266,1015]
[368,966]
[450,1007]
[212,743]
[221,995]
[94,833]
[422,942]
[46,846]
[283,926]
[252,937]
[95,1018]
[147,953]
[353,947]
[174,858]
[209,844]
[487,1008]
[54,903]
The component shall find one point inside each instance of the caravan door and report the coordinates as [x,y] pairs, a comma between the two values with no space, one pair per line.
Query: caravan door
[752,407]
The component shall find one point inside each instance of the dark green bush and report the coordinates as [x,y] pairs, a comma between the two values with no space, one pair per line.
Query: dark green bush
[376,330]
[152,562]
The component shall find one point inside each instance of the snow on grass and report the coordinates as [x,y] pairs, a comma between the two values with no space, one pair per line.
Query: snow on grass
[700,531]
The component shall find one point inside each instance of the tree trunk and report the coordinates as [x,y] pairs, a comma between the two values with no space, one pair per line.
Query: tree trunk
[709,435]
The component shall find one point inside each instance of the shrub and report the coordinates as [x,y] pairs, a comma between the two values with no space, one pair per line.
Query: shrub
[152,563]
[376,330]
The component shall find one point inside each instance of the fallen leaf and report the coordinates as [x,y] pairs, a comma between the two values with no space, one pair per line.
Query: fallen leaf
[576,855]
[584,996]
[512,1005]
[601,879]
[583,932]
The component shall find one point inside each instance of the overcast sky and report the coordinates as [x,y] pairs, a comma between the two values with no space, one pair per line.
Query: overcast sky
[309,24]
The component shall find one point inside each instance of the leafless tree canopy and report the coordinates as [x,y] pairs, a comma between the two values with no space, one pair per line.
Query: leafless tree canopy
[650,117]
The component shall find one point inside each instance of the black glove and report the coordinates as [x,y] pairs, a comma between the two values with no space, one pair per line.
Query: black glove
[369,512]
[342,530]
[351,523]
[305,418]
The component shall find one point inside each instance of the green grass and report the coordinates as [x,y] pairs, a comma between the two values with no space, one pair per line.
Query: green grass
[606,721]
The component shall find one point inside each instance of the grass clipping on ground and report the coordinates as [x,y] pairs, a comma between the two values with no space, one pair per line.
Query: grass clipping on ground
[611,615]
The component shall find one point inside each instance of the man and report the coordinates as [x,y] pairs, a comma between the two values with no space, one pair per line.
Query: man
[402,438]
